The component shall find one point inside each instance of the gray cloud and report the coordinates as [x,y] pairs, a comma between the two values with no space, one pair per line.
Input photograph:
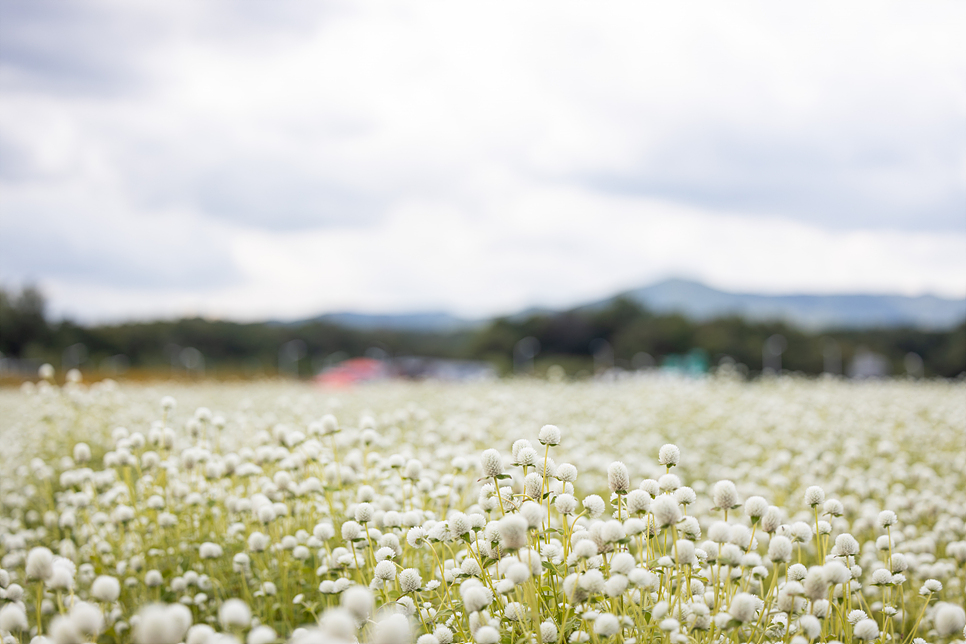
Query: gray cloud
[72,48]
[163,144]
[103,48]
[72,246]
[912,184]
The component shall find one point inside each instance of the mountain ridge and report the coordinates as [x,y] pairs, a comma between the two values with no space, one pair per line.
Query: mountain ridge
[701,302]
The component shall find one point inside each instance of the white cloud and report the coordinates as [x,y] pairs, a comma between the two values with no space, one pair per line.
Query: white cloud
[478,158]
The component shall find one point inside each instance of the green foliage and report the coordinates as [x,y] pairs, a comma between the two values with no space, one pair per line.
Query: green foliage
[22,322]
[566,338]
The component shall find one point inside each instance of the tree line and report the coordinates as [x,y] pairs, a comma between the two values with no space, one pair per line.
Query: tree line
[621,334]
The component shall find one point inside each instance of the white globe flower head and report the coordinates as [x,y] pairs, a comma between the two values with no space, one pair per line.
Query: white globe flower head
[898,562]
[772,519]
[87,619]
[162,624]
[443,634]
[780,549]
[548,631]
[364,512]
[801,532]
[846,544]
[886,519]
[618,478]
[949,619]
[669,625]
[486,635]
[491,463]
[725,495]
[261,635]
[82,452]
[234,613]
[549,435]
[209,550]
[385,570]
[814,496]
[410,580]
[13,618]
[566,472]
[810,626]
[744,607]
[834,508]
[669,455]
[46,371]
[669,482]
[63,631]
[513,531]
[685,495]
[40,564]
[337,624]
[866,629]
[594,505]
[856,616]
[359,601]
[666,511]
[756,507]
[638,502]
[565,504]
[106,589]
[607,625]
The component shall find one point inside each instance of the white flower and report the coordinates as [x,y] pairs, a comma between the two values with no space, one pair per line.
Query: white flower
[210,550]
[162,624]
[780,549]
[669,455]
[594,505]
[665,510]
[40,564]
[886,518]
[549,435]
[949,619]
[513,531]
[87,619]
[410,580]
[359,601]
[606,625]
[261,635]
[866,629]
[618,479]
[756,507]
[13,618]
[744,607]
[385,570]
[565,504]
[234,613]
[486,635]
[492,463]
[566,473]
[106,589]
[814,496]
[724,495]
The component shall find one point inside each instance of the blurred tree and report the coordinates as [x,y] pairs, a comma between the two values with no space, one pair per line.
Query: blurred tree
[569,338]
[22,321]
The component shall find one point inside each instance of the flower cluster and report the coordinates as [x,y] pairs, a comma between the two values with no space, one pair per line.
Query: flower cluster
[793,511]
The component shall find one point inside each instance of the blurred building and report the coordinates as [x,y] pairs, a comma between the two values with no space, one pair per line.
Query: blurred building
[359,370]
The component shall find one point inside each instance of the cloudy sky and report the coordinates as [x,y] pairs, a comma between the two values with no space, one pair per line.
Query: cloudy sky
[281,159]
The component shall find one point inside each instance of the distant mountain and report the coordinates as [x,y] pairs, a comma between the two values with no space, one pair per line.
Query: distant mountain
[434,321]
[700,302]
[811,312]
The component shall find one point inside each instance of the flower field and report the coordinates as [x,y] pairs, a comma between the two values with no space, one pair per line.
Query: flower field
[649,509]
